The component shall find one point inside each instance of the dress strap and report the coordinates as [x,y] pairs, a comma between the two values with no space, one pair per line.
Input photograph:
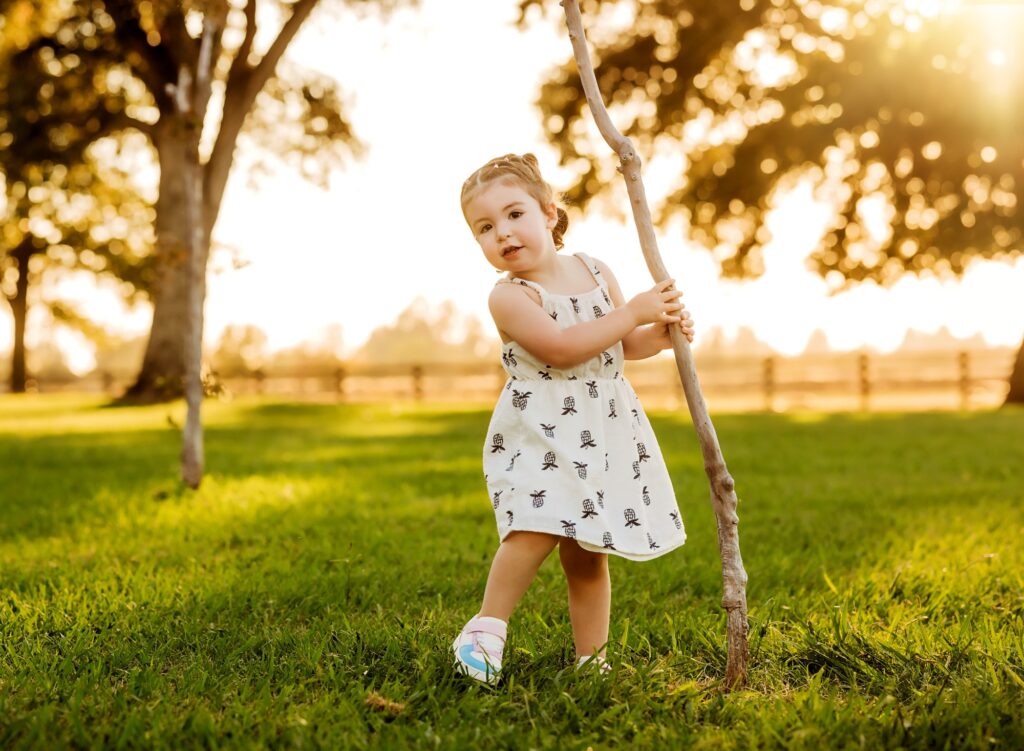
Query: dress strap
[598,276]
[509,279]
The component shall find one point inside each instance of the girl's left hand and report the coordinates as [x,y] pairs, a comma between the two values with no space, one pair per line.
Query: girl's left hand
[685,325]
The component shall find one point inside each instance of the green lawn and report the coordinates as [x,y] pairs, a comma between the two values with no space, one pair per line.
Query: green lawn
[306,595]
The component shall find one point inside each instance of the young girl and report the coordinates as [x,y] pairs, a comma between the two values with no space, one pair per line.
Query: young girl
[570,458]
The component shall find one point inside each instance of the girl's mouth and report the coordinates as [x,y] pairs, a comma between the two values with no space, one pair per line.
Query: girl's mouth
[509,251]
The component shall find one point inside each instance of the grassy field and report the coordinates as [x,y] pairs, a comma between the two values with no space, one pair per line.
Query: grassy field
[306,595]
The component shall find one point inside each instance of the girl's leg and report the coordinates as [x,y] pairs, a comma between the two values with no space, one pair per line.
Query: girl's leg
[590,596]
[514,566]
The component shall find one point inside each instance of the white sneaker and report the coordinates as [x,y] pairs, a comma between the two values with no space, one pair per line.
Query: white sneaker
[587,662]
[479,648]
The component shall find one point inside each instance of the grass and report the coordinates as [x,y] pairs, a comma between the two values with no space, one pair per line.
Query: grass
[306,595]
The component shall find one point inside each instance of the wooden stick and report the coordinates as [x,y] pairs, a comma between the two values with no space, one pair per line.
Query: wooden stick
[723,492]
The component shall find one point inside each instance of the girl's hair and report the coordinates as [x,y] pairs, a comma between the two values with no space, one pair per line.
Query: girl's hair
[524,171]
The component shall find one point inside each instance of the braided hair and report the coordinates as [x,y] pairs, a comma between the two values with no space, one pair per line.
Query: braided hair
[525,171]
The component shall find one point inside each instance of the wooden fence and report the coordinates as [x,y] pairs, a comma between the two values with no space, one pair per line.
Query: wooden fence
[835,381]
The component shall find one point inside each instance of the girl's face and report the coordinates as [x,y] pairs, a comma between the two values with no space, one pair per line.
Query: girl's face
[512,228]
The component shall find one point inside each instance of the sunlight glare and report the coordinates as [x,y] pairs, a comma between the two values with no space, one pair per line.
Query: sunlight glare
[997,57]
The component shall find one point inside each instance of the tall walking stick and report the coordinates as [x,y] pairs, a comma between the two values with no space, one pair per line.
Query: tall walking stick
[723,491]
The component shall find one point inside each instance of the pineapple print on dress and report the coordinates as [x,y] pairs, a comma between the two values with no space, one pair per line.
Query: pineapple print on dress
[497,443]
[520,398]
[631,520]
[641,451]
[538,498]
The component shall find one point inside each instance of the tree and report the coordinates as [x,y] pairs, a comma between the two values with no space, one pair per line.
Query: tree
[874,104]
[138,50]
[69,200]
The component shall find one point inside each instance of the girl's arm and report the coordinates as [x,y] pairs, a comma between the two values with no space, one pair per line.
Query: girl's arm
[516,312]
[645,341]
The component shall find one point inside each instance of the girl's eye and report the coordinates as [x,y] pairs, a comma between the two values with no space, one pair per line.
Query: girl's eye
[516,214]
[484,228]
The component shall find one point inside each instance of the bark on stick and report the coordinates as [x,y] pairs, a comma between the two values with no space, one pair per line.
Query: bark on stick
[723,492]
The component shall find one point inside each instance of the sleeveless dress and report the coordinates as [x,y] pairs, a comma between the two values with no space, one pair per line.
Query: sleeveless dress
[571,452]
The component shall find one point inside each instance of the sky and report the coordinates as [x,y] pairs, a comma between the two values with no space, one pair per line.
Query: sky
[435,92]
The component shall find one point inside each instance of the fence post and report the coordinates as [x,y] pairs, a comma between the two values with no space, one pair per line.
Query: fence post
[417,382]
[964,359]
[768,382]
[339,383]
[865,382]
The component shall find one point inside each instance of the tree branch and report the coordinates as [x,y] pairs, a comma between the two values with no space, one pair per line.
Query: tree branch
[151,63]
[241,62]
[243,85]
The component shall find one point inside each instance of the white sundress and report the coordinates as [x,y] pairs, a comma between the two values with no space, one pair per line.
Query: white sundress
[571,452]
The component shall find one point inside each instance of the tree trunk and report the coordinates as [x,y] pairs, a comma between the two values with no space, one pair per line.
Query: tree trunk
[723,491]
[191,97]
[163,365]
[162,375]
[19,309]
[1016,392]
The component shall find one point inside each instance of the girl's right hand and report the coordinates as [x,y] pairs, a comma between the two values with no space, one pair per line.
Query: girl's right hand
[657,305]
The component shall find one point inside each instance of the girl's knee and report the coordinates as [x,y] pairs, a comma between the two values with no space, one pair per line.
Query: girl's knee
[580,563]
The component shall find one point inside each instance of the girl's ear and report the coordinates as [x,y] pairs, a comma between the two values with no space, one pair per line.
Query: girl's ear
[551,211]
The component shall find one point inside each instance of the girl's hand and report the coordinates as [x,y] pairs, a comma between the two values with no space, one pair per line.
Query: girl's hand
[657,305]
[662,338]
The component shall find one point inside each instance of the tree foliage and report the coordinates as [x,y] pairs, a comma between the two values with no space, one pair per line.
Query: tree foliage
[875,103]
[71,200]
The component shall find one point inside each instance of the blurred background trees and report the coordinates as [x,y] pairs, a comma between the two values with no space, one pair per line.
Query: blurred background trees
[69,201]
[905,117]
[91,70]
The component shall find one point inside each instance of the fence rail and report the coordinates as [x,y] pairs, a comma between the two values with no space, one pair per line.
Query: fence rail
[968,379]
